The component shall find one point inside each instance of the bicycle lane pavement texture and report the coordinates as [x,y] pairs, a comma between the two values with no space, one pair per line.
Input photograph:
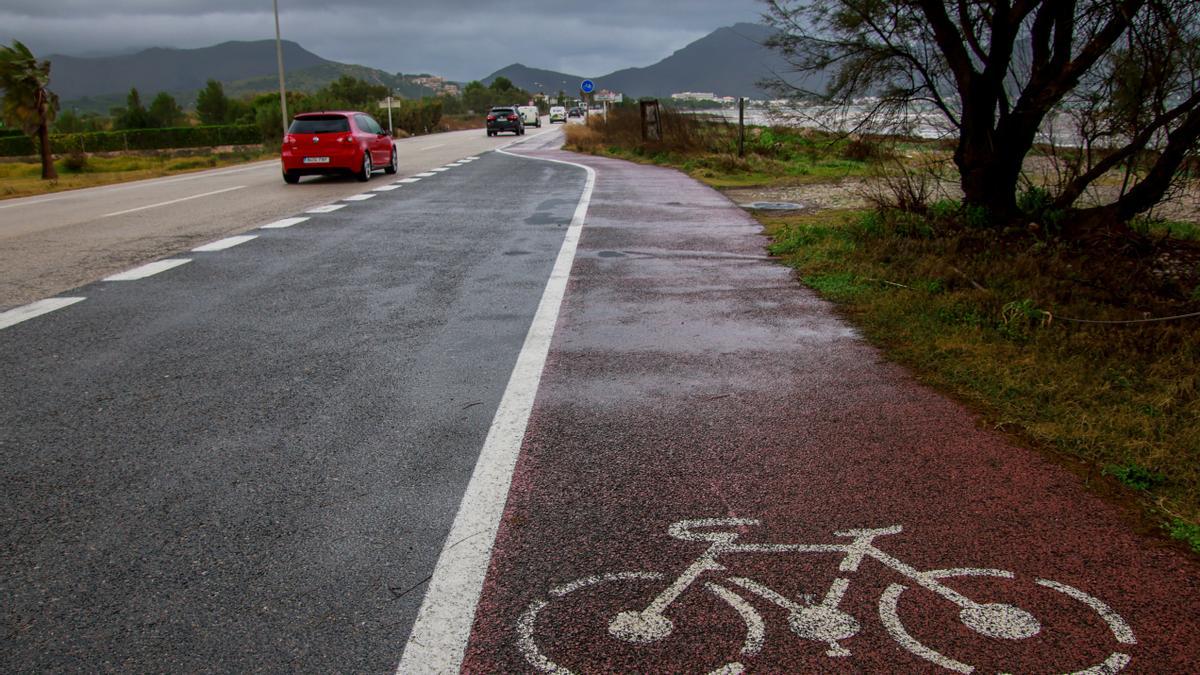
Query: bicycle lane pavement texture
[690,378]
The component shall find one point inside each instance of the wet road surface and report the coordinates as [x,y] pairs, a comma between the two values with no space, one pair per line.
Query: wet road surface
[719,475]
[249,462]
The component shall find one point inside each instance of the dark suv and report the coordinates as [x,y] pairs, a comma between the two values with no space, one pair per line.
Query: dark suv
[504,118]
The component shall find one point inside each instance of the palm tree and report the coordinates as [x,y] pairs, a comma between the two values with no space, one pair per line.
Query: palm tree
[27,103]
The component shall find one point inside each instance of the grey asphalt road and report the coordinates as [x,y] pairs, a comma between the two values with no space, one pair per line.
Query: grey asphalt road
[52,243]
[250,462]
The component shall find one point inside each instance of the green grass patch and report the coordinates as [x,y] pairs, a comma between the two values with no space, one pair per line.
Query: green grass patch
[22,179]
[1126,398]
[1188,533]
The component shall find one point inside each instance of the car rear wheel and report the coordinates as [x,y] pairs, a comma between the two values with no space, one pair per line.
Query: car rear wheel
[393,167]
[364,174]
[290,178]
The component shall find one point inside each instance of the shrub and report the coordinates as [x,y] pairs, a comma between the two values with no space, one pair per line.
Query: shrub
[138,139]
[76,161]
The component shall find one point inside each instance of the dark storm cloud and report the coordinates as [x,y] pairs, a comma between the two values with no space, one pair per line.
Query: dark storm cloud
[455,38]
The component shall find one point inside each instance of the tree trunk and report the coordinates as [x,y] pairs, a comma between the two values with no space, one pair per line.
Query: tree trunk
[43,132]
[48,170]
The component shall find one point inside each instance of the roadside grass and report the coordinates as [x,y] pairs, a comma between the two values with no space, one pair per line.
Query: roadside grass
[708,150]
[982,313]
[23,179]
[964,310]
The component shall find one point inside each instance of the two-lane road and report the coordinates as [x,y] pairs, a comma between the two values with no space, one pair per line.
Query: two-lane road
[52,243]
[250,461]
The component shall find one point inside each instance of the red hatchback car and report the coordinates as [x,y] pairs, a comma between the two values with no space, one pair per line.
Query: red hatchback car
[336,142]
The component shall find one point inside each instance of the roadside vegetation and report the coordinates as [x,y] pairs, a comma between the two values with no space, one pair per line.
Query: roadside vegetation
[981,310]
[77,170]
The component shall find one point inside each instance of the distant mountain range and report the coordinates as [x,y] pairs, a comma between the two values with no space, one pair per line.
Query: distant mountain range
[730,61]
[98,83]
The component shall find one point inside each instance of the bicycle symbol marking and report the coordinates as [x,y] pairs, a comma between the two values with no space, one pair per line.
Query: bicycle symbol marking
[808,619]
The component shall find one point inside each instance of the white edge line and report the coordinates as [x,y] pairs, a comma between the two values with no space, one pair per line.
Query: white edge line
[222,244]
[16,315]
[439,635]
[173,201]
[286,222]
[149,269]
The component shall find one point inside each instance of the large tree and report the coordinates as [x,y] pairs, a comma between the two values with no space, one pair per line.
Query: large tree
[1008,74]
[27,103]
[212,106]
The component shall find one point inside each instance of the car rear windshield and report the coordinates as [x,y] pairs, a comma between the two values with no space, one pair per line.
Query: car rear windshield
[324,124]
[502,111]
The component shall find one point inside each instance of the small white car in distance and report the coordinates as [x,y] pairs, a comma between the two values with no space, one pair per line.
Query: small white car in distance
[530,115]
[558,114]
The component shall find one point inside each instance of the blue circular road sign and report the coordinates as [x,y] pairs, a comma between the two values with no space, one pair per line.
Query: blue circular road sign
[587,86]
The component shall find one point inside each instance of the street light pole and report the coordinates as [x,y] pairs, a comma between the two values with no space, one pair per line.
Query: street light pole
[279,58]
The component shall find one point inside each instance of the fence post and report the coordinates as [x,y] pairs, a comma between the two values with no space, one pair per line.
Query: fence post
[741,126]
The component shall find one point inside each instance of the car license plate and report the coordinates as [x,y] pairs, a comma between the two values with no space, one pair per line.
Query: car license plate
[316,160]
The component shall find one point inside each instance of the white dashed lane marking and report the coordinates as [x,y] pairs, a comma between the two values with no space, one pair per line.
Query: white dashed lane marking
[427,174]
[358,198]
[222,244]
[148,269]
[385,188]
[173,201]
[286,222]
[18,314]
[408,180]
[440,169]
[328,208]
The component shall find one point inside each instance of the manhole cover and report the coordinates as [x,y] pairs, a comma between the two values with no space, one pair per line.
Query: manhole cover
[775,206]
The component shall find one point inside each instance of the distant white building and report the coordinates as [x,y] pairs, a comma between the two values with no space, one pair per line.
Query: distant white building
[694,96]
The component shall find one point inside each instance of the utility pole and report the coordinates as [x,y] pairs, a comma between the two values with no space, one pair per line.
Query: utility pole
[279,58]
[391,129]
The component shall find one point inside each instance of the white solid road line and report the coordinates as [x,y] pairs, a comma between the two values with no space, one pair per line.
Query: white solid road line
[25,312]
[443,626]
[408,180]
[173,201]
[222,244]
[359,198]
[328,208]
[149,269]
[286,222]
[430,147]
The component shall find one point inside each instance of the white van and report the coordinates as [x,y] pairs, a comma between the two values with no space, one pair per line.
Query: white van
[558,114]
[530,115]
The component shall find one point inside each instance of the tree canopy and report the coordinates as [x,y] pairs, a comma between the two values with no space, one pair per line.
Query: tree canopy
[1115,82]
[27,103]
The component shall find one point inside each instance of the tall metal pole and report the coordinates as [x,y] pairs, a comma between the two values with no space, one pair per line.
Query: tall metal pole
[391,129]
[279,58]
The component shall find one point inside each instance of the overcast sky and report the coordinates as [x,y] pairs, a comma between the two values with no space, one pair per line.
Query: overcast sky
[458,39]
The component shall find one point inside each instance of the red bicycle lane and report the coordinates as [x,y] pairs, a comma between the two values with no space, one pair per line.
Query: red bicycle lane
[719,475]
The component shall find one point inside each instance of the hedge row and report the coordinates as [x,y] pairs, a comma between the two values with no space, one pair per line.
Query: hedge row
[5,133]
[137,139]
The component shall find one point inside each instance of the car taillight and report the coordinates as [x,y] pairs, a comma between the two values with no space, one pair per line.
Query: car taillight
[512,118]
[491,118]
[348,138]
[289,139]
